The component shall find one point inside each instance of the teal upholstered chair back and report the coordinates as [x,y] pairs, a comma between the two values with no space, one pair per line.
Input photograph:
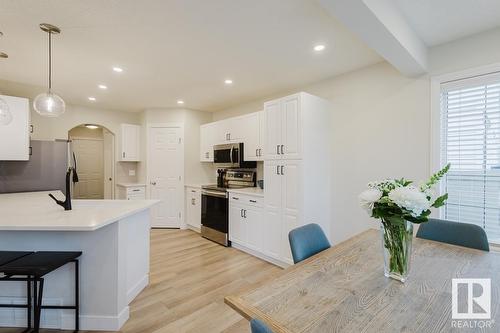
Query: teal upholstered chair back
[306,241]
[462,234]
[258,326]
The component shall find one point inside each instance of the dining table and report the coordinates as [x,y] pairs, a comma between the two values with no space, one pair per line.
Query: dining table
[344,289]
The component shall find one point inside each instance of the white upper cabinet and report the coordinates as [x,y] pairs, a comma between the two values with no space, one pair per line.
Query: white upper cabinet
[15,137]
[272,114]
[291,134]
[130,143]
[253,137]
[283,128]
[208,138]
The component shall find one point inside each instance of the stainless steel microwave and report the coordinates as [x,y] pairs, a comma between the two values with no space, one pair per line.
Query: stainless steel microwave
[231,155]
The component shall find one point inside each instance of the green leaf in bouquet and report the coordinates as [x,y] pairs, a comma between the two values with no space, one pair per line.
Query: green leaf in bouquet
[440,201]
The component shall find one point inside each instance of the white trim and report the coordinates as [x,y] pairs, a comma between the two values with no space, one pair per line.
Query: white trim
[260,255]
[137,288]
[97,323]
[193,228]
[435,117]
[182,222]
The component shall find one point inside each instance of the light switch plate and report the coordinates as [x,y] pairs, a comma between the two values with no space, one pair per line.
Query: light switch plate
[131,172]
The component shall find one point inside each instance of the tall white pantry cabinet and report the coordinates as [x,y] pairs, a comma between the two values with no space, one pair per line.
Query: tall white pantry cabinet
[297,168]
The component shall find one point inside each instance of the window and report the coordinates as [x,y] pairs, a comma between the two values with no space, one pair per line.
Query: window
[470,141]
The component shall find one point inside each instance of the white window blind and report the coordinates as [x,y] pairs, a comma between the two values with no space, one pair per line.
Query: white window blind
[470,110]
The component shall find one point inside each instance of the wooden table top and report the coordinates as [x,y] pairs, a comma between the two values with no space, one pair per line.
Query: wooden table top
[343,289]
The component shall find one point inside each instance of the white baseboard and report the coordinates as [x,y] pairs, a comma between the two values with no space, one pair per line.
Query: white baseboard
[97,323]
[260,255]
[139,286]
[197,229]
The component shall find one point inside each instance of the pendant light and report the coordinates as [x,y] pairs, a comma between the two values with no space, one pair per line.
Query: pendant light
[49,104]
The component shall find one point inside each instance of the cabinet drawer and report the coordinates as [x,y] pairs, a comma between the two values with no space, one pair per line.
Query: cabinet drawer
[136,196]
[247,200]
[136,191]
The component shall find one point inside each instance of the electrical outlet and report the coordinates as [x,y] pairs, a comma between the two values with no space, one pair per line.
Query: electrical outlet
[131,172]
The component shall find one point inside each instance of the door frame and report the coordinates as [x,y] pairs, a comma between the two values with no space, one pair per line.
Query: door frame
[180,126]
[113,162]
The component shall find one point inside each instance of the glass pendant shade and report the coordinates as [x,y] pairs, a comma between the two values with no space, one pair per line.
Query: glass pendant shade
[5,114]
[49,104]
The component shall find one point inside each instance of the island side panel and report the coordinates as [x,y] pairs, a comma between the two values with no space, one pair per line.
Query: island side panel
[99,308]
[137,249]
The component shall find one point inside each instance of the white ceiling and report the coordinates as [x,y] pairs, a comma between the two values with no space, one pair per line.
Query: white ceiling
[441,21]
[175,49]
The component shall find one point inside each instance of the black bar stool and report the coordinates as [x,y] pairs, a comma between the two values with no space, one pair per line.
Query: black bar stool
[33,267]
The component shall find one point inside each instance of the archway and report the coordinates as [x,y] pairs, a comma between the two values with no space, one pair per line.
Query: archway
[93,148]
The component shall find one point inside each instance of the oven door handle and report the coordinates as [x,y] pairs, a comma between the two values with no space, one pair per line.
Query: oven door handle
[231,153]
[214,194]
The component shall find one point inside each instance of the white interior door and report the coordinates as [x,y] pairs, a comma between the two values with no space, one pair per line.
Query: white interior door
[89,157]
[109,162]
[166,175]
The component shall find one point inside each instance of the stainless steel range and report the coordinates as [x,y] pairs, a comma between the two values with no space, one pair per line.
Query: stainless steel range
[215,203]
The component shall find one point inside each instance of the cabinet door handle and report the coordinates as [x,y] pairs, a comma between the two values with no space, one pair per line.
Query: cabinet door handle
[282,168]
[278,149]
[277,169]
[193,191]
[244,213]
[123,154]
[254,201]
[229,134]
[192,202]
[236,198]
[31,128]
[282,147]
[241,212]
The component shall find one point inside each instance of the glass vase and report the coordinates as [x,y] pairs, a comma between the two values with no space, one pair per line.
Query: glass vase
[396,244]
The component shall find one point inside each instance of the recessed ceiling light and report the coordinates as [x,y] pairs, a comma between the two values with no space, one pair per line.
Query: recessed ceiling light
[228,81]
[102,86]
[92,99]
[180,102]
[118,69]
[91,126]
[319,47]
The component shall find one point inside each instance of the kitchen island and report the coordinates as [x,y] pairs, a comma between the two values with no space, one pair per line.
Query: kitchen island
[114,267]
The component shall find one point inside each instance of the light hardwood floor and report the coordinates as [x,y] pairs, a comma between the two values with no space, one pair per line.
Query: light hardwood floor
[189,278]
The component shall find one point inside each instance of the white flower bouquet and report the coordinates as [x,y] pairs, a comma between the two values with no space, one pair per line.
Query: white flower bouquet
[398,203]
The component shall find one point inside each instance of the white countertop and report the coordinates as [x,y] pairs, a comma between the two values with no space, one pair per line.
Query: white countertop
[255,191]
[35,211]
[131,184]
[193,185]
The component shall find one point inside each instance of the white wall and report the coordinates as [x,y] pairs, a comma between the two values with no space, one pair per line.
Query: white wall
[380,128]
[195,172]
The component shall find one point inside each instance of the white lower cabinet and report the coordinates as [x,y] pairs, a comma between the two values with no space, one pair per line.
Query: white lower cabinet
[193,208]
[254,229]
[129,192]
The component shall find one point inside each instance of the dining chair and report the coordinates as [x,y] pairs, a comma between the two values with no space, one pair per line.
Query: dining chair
[456,233]
[306,241]
[258,326]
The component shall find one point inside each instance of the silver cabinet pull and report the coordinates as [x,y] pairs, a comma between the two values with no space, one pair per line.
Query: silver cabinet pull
[254,201]
[241,212]
[236,198]
[282,168]
[193,191]
[244,213]
[192,202]
[282,152]
[256,152]
[278,149]
[277,169]
[123,154]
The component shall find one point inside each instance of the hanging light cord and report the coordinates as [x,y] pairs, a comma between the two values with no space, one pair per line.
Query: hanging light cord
[50,61]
